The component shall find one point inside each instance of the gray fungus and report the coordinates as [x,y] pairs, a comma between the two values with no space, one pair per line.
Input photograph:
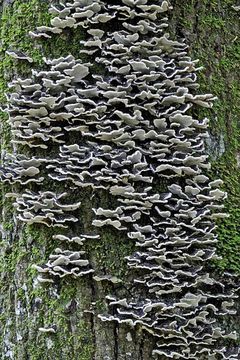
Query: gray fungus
[136,129]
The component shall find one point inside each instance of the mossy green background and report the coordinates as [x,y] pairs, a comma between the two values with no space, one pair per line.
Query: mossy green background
[211,28]
[212,31]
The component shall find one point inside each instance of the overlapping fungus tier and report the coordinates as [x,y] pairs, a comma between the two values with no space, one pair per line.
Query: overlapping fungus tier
[135,132]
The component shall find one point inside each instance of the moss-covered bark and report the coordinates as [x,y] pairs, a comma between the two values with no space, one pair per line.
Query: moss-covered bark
[212,29]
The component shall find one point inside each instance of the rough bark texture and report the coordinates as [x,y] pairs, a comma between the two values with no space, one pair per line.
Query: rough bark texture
[212,29]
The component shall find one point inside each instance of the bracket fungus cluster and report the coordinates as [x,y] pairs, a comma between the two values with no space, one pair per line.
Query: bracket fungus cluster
[19,55]
[20,169]
[134,132]
[64,262]
[44,207]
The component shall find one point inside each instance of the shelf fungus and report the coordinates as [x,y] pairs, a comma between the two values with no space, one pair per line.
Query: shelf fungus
[49,330]
[80,240]
[62,263]
[42,106]
[129,132]
[46,208]
[20,169]
[19,55]
[236,7]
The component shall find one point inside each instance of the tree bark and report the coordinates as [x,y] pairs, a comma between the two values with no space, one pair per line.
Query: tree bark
[211,29]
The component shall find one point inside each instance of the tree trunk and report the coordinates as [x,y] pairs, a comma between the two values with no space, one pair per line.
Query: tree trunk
[71,306]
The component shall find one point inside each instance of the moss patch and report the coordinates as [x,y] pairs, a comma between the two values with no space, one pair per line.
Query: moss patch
[212,30]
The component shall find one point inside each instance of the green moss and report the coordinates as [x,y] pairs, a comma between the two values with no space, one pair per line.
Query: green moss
[217,27]
[110,251]
[16,22]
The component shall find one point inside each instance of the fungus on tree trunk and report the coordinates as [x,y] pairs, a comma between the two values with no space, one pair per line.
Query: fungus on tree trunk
[135,129]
